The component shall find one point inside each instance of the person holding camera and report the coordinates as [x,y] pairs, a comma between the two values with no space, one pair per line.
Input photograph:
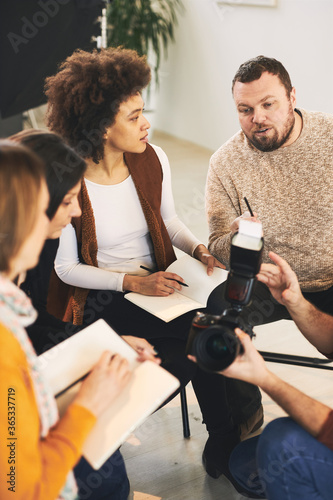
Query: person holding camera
[293,457]
[273,161]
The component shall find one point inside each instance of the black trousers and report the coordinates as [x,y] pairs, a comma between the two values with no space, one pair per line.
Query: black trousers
[213,391]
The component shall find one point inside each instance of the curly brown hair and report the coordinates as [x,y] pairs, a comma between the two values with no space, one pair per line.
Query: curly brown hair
[252,70]
[85,95]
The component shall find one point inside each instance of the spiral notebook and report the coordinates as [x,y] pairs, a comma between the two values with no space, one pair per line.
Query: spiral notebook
[150,385]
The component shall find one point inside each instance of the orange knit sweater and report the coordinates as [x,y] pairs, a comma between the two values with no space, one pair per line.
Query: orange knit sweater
[34,468]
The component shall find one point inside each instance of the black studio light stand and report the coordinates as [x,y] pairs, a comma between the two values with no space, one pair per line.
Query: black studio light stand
[291,359]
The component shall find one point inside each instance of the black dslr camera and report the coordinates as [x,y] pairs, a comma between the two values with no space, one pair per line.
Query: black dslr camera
[212,339]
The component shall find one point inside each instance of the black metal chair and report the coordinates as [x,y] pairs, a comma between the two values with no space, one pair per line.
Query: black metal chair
[184,410]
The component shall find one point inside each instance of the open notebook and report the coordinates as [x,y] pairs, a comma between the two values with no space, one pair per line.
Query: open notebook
[148,387]
[195,296]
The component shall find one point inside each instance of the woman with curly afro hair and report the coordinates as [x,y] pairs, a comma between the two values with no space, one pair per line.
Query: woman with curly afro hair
[128,221]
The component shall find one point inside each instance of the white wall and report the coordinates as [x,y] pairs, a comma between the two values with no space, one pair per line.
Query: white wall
[194,101]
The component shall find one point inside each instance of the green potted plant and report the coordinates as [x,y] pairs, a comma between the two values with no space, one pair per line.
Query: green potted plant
[146,26]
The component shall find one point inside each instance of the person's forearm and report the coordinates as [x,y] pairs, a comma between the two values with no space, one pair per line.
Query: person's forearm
[199,250]
[316,326]
[219,240]
[220,212]
[181,237]
[307,412]
[90,277]
[71,271]
[132,283]
[219,246]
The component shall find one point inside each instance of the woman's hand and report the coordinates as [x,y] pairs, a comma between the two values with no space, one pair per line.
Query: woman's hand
[203,254]
[160,284]
[281,281]
[105,381]
[245,216]
[142,347]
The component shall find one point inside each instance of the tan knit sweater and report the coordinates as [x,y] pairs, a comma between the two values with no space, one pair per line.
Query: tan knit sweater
[291,189]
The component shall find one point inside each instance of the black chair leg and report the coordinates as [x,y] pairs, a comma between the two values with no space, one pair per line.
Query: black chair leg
[183,403]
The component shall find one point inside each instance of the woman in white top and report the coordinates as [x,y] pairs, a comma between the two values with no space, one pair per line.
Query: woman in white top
[128,220]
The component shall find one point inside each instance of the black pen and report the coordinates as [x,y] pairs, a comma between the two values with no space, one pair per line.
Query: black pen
[248,206]
[151,271]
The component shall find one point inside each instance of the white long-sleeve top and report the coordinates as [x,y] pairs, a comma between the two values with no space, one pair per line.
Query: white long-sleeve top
[123,238]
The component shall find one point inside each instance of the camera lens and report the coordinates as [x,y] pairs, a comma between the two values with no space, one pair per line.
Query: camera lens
[216,348]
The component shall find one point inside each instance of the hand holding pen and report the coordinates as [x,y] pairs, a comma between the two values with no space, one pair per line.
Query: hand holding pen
[173,279]
[248,206]
[247,215]
[160,283]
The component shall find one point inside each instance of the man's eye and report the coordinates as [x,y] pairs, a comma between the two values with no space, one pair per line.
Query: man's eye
[268,104]
[244,110]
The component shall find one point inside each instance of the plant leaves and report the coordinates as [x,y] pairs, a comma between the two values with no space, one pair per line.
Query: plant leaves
[143,24]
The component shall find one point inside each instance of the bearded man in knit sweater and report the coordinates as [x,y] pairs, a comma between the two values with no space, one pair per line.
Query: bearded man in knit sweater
[282,162]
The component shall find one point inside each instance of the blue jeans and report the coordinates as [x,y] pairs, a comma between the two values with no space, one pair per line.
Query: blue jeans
[110,482]
[284,463]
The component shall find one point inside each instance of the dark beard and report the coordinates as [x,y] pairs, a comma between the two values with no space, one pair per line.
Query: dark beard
[271,144]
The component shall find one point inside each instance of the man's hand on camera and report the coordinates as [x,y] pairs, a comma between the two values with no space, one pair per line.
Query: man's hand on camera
[281,281]
[203,254]
[246,216]
[248,366]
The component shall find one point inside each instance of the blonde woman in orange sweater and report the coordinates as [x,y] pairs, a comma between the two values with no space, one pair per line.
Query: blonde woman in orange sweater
[37,449]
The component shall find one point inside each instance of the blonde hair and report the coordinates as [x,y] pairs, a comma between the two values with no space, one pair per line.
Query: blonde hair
[21,177]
